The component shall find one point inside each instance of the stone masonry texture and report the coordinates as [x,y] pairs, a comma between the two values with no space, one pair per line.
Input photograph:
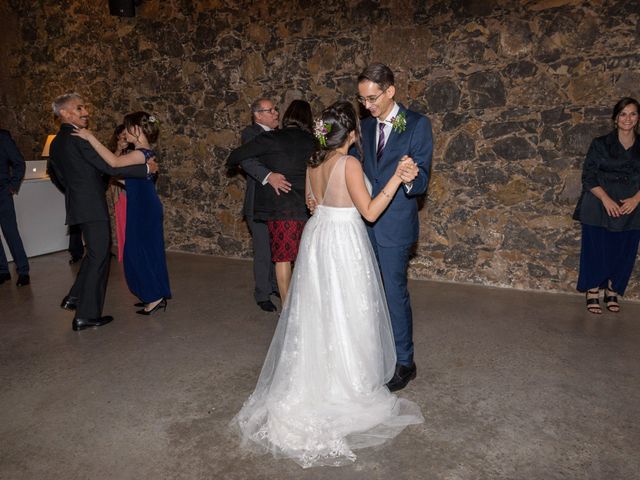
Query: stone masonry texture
[515,90]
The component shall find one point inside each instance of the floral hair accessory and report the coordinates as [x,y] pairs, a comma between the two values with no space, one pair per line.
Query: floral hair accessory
[399,122]
[320,130]
[153,119]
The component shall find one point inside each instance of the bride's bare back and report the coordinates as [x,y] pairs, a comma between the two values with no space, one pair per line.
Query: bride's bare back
[327,185]
[340,182]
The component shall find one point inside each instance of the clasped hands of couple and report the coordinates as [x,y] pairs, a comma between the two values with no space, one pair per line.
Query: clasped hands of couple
[85,134]
[407,169]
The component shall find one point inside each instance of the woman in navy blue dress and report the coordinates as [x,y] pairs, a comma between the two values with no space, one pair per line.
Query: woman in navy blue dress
[145,264]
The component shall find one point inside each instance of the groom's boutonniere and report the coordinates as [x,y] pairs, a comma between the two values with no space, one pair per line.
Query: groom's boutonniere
[399,122]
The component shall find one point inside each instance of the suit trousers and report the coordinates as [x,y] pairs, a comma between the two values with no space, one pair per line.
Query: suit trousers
[393,262]
[9,226]
[76,247]
[91,283]
[263,269]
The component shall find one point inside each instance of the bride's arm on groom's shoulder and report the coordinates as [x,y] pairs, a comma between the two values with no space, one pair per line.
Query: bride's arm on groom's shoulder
[372,208]
[134,157]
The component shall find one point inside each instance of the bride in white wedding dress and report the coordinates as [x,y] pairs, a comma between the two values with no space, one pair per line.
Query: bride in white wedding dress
[321,392]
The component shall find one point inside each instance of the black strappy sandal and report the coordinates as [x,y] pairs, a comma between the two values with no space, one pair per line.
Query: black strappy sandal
[611,300]
[593,302]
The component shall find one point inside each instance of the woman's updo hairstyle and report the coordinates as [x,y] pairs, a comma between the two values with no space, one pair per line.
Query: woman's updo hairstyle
[337,121]
[149,124]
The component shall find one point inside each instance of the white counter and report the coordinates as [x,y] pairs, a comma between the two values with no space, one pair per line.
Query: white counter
[41,214]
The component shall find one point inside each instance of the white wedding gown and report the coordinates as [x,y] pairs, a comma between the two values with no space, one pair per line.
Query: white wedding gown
[321,393]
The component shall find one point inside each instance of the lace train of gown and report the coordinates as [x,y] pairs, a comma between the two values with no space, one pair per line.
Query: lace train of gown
[321,392]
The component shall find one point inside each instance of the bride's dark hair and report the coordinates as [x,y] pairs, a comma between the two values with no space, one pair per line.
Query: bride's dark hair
[340,119]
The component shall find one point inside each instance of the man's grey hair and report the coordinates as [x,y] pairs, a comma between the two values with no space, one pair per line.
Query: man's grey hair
[62,100]
[257,104]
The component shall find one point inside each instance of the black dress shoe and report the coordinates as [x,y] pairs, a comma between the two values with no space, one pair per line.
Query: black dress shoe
[267,306]
[23,280]
[402,377]
[73,260]
[69,303]
[82,323]
[161,305]
[4,277]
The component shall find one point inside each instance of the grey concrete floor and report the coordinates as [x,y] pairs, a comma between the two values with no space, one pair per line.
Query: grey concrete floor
[513,385]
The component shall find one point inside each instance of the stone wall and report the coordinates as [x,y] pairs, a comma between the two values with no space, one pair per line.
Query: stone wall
[515,91]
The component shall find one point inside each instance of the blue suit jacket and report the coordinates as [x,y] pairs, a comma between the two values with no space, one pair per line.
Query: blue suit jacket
[398,225]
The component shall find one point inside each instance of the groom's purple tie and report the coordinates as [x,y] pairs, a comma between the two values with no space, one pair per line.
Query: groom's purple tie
[381,142]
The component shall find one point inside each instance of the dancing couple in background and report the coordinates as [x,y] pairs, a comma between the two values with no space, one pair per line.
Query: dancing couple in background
[285,151]
[78,168]
[144,259]
[265,118]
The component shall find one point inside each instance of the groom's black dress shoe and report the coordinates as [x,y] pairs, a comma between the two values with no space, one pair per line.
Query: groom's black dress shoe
[82,323]
[69,303]
[267,306]
[5,277]
[401,377]
[23,279]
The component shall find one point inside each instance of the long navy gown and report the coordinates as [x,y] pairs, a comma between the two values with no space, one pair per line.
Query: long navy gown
[145,264]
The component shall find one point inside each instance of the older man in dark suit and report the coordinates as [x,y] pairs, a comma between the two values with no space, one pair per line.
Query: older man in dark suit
[11,175]
[265,117]
[78,168]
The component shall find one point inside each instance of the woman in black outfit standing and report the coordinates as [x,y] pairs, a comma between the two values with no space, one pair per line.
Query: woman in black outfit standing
[285,151]
[608,209]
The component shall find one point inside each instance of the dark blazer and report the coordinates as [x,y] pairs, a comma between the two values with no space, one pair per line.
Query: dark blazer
[11,163]
[617,171]
[78,169]
[256,172]
[399,224]
[285,151]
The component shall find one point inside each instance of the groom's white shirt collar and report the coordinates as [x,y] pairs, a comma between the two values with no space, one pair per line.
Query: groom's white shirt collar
[387,122]
[264,127]
[394,111]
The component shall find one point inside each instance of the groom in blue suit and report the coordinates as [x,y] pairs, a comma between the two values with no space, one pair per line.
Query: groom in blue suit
[390,134]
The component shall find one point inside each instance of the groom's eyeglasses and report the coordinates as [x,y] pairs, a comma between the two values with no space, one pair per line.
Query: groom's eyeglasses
[370,98]
[270,110]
